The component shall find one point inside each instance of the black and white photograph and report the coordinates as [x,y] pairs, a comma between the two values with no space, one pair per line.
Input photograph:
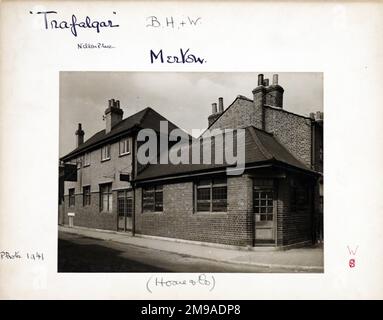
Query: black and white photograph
[176,150]
[191,172]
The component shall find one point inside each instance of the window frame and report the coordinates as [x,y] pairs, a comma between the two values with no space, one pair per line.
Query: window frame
[71,196]
[108,148]
[109,194]
[79,163]
[156,190]
[267,214]
[210,186]
[126,142]
[86,196]
[127,209]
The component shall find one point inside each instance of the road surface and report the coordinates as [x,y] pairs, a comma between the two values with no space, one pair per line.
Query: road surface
[77,253]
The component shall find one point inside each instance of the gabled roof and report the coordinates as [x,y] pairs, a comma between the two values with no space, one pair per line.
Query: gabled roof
[146,118]
[260,147]
[240,97]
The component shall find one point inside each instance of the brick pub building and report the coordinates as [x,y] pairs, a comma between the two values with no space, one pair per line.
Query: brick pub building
[276,201]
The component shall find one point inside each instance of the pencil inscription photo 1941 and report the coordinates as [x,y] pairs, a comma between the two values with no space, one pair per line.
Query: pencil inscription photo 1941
[158,174]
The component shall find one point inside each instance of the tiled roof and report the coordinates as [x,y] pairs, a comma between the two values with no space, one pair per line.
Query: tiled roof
[260,147]
[146,118]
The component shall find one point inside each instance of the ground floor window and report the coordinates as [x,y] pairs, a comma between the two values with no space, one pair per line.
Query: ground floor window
[211,195]
[86,196]
[124,204]
[106,197]
[152,199]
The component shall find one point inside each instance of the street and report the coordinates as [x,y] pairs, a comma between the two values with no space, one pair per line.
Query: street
[77,253]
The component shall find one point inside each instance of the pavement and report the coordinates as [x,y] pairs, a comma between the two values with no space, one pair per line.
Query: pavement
[308,259]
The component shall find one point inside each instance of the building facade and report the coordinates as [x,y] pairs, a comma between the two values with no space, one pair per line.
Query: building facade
[276,201]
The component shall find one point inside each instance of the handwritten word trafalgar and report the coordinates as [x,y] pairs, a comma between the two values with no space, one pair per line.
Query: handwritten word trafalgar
[74,24]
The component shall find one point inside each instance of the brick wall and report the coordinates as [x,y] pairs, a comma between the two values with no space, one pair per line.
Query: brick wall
[178,220]
[239,114]
[293,131]
[294,221]
[90,216]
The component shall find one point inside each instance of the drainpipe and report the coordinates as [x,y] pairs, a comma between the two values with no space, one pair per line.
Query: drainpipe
[132,183]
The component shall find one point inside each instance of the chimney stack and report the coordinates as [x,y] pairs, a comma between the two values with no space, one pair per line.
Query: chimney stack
[260,79]
[215,114]
[275,79]
[113,114]
[259,97]
[213,108]
[274,96]
[79,136]
[220,104]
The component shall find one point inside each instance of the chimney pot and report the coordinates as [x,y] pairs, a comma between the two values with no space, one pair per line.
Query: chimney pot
[118,103]
[260,79]
[220,104]
[213,108]
[275,79]
[110,103]
[266,82]
[312,115]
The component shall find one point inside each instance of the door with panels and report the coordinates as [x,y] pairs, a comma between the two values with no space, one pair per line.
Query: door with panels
[124,210]
[264,211]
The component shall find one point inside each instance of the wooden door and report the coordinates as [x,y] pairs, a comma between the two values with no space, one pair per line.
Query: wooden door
[263,204]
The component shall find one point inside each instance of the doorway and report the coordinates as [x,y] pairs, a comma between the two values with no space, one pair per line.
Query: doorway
[264,213]
[124,210]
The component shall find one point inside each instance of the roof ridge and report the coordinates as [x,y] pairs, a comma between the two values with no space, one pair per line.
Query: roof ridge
[145,111]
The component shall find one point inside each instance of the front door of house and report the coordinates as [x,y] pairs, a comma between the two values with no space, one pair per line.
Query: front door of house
[125,210]
[263,204]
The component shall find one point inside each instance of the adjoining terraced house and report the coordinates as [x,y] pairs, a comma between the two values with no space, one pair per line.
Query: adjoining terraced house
[276,201]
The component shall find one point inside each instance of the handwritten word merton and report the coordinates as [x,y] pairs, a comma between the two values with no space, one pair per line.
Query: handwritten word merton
[74,24]
[183,57]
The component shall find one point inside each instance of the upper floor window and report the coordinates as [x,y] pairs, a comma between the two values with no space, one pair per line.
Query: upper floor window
[78,163]
[106,197]
[152,199]
[86,159]
[211,195]
[105,152]
[124,146]
[71,197]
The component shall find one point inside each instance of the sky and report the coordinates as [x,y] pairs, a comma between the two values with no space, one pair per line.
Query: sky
[184,98]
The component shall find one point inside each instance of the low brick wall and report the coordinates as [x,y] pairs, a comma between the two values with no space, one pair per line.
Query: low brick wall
[90,216]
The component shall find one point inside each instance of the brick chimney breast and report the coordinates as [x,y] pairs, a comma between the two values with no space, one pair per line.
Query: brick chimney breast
[113,114]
